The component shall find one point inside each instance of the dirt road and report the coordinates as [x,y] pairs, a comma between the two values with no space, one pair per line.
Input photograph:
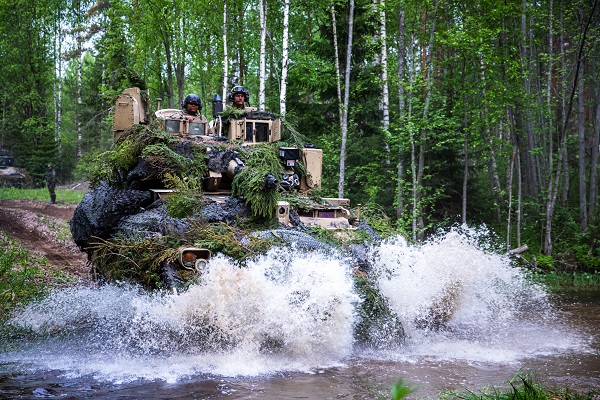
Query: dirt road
[44,229]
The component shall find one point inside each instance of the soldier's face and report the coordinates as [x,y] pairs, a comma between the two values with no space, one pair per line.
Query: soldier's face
[238,98]
[191,108]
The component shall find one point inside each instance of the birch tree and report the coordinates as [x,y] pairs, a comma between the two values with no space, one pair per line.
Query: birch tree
[262,9]
[284,57]
[225,54]
[553,183]
[400,168]
[581,144]
[385,93]
[346,101]
[420,224]
[336,56]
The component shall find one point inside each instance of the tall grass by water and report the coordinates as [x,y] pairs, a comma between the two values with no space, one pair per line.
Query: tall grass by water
[521,387]
[560,281]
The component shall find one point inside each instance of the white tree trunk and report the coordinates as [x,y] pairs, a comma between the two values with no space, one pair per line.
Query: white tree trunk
[79,102]
[466,167]
[225,54]
[337,61]
[411,136]
[427,102]
[401,111]
[262,9]
[385,95]
[549,90]
[58,79]
[509,189]
[346,102]
[519,199]
[284,56]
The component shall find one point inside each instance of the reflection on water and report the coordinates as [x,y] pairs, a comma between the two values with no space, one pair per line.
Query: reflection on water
[283,328]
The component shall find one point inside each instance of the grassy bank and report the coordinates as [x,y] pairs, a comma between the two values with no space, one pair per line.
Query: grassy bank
[522,387]
[25,276]
[565,281]
[64,196]
[519,387]
[21,276]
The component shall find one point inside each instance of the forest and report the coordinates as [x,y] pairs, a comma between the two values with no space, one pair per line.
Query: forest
[432,113]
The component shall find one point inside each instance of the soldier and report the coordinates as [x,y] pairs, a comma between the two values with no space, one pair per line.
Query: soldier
[239,97]
[51,183]
[192,106]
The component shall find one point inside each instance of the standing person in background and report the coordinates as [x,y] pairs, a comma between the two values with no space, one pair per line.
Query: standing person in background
[51,183]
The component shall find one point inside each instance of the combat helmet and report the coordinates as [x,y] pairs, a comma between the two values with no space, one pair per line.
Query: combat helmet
[239,89]
[192,98]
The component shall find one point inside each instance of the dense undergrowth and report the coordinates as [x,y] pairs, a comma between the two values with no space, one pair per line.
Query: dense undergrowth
[24,276]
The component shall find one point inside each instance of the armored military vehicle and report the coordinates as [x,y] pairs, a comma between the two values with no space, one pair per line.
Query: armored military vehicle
[177,189]
[247,128]
[174,173]
[10,175]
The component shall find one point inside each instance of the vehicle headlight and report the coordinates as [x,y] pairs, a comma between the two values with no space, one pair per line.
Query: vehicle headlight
[201,264]
[189,259]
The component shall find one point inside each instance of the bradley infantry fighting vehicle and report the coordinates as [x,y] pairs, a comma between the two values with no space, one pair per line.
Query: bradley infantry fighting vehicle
[177,189]
[174,173]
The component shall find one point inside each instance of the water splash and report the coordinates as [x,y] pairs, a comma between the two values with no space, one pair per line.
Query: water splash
[292,310]
[285,311]
[459,301]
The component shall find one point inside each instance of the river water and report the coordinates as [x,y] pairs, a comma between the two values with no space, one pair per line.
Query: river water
[282,328]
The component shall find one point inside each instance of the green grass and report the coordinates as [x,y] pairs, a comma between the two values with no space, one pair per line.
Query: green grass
[578,281]
[520,387]
[63,196]
[21,276]
[25,276]
[400,390]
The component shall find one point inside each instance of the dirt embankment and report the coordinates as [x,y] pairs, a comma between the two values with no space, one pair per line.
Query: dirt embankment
[44,230]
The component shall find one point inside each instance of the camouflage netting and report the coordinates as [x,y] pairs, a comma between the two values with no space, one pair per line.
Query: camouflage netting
[219,160]
[101,209]
[151,223]
[143,177]
[227,212]
[377,324]
[299,239]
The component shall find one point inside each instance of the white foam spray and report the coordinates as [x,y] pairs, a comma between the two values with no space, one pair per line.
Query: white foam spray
[287,310]
[459,301]
[293,310]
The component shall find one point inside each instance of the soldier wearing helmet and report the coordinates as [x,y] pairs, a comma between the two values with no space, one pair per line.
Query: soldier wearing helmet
[191,110]
[239,97]
[192,105]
